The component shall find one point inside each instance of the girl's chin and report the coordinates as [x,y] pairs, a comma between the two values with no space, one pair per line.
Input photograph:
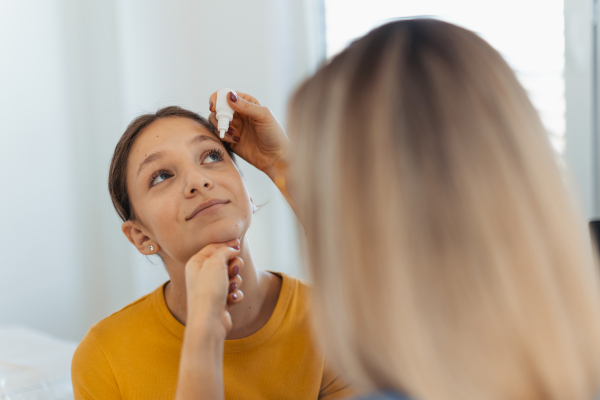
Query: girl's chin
[223,231]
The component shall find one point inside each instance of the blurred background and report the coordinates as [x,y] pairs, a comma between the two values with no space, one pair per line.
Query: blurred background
[74,73]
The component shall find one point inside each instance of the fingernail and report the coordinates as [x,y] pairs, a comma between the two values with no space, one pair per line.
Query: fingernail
[236,269]
[231,130]
[232,97]
[236,139]
[232,287]
[210,106]
[234,296]
[235,247]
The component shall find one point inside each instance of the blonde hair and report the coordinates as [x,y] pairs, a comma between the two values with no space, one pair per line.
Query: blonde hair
[449,261]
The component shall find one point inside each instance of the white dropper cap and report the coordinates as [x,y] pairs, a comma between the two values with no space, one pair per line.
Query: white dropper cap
[224,111]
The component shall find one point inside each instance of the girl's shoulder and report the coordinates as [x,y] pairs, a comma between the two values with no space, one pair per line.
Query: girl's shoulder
[130,316]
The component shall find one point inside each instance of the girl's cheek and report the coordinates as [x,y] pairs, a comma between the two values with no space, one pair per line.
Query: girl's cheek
[163,213]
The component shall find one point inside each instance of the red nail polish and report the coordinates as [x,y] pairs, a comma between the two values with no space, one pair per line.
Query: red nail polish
[234,296]
[232,97]
[236,139]
[231,130]
[235,270]
[235,247]
[210,106]
[232,287]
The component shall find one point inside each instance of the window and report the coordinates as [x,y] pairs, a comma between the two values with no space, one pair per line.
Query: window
[528,33]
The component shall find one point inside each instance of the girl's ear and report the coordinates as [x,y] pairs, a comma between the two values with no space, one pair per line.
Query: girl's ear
[134,233]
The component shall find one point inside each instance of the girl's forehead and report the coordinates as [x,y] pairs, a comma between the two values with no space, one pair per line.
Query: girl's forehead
[169,131]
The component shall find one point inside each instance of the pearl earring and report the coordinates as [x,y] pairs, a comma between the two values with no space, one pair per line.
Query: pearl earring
[151,248]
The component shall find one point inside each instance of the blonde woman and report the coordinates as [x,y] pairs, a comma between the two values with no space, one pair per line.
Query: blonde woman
[448,259]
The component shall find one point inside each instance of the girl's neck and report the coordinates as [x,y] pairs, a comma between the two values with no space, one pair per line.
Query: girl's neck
[261,291]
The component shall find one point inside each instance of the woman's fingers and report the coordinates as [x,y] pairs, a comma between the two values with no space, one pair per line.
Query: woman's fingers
[212,118]
[242,103]
[223,256]
[235,297]
[235,294]
[232,243]
[235,266]
[212,100]
[214,254]
[211,248]
[247,107]
[235,280]
[235,283]
[249,98]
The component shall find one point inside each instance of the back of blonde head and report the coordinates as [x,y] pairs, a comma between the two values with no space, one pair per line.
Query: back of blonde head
[448,259]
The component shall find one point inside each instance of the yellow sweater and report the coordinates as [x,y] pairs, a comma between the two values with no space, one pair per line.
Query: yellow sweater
[134,354]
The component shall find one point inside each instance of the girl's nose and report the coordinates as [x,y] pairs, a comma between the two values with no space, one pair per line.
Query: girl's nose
[197,182]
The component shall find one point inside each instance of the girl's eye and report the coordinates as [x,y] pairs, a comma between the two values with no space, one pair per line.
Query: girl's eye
[159,177]
[213,156]
[162,175]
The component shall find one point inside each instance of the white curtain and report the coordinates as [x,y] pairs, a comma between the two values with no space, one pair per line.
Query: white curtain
[582,131]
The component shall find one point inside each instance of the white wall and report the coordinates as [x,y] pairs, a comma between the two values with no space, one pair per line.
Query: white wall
[73,74]
[39,273]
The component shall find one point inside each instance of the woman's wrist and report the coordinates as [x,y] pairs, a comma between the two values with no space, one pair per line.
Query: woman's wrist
[280,163]
[279,174]
[205,327]
[201,364]
[201,349]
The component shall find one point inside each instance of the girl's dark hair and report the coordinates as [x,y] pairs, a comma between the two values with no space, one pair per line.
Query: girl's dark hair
[117,175]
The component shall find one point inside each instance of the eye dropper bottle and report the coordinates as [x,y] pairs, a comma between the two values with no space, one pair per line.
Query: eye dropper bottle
[223,110]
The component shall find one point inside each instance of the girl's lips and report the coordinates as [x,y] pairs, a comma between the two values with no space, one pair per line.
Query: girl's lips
[208,207]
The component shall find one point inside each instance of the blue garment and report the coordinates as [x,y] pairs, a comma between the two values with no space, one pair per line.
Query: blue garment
[384,396]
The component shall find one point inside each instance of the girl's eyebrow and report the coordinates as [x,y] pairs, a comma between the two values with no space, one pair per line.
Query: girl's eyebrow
[155,156]
[149,159]
[202,138]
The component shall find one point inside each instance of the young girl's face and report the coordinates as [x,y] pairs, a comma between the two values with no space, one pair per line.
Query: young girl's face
[184,189]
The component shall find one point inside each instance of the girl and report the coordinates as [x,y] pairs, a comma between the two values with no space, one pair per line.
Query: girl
[180,195]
